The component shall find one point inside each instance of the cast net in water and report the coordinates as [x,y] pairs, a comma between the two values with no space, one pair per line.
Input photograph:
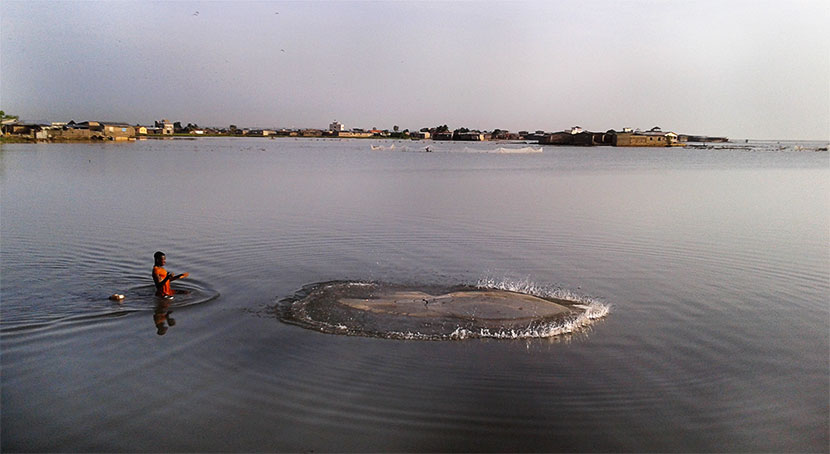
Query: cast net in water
[434,312]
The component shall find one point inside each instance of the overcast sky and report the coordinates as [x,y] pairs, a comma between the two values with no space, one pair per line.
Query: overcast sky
[754,69]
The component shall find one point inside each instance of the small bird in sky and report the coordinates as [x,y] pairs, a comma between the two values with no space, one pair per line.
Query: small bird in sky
[196,13]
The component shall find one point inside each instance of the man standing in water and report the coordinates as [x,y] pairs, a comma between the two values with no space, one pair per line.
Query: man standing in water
[162,278]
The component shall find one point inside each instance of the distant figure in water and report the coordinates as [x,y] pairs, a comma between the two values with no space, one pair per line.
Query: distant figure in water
[162,278]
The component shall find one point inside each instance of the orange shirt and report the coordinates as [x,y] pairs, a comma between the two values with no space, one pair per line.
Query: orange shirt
[159,274]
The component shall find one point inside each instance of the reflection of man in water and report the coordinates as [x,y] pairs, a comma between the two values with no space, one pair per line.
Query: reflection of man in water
[162,278]
[162,315]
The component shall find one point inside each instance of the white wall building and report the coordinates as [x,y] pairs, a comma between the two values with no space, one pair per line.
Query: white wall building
[167,127]
[336,126]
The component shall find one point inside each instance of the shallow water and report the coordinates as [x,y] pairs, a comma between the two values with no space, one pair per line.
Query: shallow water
[715,263]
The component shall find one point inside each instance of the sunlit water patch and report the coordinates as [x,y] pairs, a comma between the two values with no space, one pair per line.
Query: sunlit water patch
[433,312]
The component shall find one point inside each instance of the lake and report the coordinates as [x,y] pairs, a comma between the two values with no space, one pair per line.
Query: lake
[715,264]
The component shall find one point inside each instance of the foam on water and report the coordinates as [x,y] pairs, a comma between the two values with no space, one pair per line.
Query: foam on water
[593,310]
[542,291]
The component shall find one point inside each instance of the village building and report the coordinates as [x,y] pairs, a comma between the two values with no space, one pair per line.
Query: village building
[167,127]
[148,130]
[336,126]
[627,138]
[70,133]
[111,130]
[538,135]
[311,133]
[574,136]
[557,138]
[357,134]
[286,133]
[651,138]
[253,132]
[503,134]
[16,128]
[88,130]
[141,130]
[471,136]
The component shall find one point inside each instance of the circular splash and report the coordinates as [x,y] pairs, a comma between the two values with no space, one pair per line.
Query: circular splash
[434,313]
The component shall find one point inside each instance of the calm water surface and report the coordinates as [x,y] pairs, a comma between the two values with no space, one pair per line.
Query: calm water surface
[716,264]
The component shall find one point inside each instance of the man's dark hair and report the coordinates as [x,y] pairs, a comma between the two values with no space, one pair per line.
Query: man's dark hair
[157,257]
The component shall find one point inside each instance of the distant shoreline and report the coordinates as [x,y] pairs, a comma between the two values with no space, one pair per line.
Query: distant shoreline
[731,144]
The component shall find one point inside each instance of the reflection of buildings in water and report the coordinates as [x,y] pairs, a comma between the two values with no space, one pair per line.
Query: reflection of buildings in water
[161,315]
